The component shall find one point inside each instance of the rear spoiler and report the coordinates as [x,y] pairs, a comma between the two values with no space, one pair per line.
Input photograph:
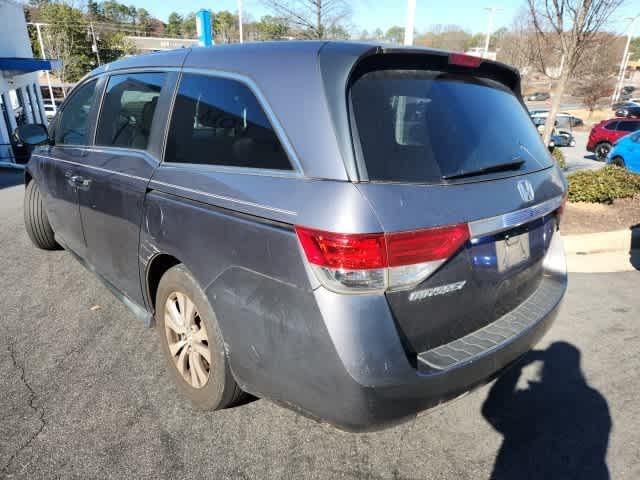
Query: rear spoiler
[420,58]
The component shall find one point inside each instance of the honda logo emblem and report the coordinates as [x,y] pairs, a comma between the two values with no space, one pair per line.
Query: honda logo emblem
[526,190]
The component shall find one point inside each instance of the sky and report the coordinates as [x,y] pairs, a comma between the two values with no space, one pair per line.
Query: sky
[372,14]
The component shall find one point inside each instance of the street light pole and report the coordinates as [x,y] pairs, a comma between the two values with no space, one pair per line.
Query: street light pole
[492,11]
[623,63]
[411,20]
[94,43]
[240,19]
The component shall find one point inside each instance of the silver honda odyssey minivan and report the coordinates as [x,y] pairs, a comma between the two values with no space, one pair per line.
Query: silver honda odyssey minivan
[355,231]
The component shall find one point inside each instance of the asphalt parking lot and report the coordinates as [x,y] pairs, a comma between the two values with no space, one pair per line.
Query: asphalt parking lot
[578,158]
[84,394]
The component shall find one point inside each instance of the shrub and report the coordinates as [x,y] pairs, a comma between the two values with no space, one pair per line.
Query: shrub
[558,156]
[603,186]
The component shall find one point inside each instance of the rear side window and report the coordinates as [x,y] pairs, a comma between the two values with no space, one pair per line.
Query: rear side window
[629,126]
[421,126]
[73,123]
[611,126]
[219,121]
[127,110]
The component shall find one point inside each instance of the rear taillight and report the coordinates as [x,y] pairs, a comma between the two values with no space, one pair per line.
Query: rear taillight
[358,263]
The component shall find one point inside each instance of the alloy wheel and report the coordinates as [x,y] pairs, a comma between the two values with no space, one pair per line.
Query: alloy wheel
[187,339]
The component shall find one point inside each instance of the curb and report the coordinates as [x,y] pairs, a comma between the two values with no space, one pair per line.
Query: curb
[617,251]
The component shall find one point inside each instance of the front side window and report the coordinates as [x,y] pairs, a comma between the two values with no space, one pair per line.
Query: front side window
[127,110]
[219,121]
[72,127]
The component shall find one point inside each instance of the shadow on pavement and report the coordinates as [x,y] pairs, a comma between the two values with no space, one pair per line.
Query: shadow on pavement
[10,177]
[557,427]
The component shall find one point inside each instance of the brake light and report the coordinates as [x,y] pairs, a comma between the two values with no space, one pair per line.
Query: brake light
[339,250]
[357,263]
[463,60]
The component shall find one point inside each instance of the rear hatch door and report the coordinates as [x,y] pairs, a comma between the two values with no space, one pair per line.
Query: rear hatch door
[443,145]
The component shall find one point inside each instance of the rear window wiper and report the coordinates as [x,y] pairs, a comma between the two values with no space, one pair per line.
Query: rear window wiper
[514,164]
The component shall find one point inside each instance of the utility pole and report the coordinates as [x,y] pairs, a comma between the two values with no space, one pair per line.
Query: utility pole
[623,63]
[240,19]
[411,20]
[492,11]
[46,72]
[94,44]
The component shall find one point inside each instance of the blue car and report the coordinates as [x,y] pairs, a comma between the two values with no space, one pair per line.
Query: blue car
[626,152]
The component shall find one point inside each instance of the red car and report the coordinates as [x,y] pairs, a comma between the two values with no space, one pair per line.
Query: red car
[606,133]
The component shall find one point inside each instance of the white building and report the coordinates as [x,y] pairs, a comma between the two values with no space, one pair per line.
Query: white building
[20,97]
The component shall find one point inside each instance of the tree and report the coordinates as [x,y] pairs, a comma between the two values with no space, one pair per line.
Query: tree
[272,28]
[570,27]
[378,34]
[225,26]
[394,34]
[315,18]
[174,25]
[595,75]
[65,38]
[634,48]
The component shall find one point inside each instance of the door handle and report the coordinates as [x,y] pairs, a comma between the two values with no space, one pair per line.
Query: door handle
[79,181]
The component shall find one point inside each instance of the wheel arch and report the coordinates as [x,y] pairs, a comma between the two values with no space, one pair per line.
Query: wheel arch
[156,268]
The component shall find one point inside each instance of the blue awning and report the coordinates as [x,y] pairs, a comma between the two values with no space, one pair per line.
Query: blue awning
[18,66]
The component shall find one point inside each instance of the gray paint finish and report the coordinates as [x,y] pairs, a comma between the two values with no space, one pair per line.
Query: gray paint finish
[341,358]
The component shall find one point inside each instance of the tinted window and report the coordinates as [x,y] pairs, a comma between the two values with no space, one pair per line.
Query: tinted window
[629,126]
[127,110]
[220,122]
[420,126]
[611,126]
[72,126]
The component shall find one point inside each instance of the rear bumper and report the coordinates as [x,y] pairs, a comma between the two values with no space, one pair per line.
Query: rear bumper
[377,397]
[388,405]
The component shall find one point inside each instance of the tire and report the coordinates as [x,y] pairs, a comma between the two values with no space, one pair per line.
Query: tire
[618,161]
[36,221]
[219,389]
[602,150]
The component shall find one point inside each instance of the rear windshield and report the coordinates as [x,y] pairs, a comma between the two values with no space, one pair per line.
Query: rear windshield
[423,126]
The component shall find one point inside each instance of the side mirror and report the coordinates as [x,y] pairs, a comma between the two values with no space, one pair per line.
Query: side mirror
[31,134]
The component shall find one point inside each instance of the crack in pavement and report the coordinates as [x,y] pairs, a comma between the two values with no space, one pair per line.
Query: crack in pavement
[32,398]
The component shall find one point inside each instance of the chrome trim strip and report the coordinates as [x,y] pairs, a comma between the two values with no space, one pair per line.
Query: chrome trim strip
[226,199]
[91,167]
[499,223]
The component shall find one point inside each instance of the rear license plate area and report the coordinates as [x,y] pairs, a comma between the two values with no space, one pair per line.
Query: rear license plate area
[512,251]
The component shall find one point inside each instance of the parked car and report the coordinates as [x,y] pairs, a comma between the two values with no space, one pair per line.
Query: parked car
[626,152]
[559,137]
[282,238]
[563,119]
[625,104]
[606,133]
[629,112]
[538,97]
